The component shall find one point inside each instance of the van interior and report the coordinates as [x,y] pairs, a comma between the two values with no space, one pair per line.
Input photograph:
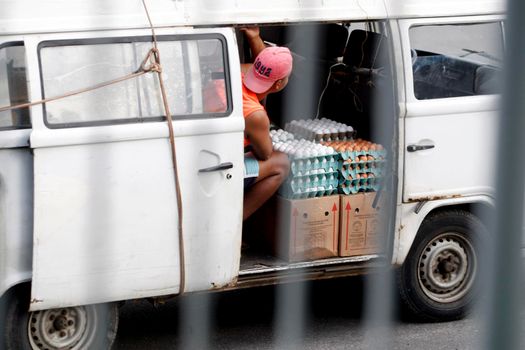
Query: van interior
[341,71]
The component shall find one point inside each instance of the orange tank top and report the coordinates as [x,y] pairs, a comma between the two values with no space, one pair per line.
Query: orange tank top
[250,104]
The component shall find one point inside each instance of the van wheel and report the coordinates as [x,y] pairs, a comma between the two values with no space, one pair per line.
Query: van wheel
[438,280]
[81,327]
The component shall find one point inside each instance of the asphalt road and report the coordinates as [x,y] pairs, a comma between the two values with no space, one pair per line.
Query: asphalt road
[332,318]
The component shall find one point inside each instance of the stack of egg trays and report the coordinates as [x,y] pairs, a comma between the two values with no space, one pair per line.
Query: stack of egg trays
[306,186]
[352,165]
[315,165]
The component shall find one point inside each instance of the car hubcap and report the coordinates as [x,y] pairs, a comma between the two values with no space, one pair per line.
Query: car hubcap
[57,328]
[447,268]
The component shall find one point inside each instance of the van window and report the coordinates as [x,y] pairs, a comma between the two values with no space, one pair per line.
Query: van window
[194,74]
[13,86]
[456,60]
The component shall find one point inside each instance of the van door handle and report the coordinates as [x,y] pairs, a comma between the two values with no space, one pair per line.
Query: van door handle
[222,166]
[414,148]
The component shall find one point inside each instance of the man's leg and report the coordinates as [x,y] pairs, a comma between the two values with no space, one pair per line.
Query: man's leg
[272,173]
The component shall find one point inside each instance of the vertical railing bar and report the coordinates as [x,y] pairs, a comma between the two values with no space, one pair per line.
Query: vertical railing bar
[291,299]
[504,283]
[379,287]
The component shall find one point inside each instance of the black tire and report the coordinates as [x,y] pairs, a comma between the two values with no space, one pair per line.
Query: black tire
[95,327]
[439,279]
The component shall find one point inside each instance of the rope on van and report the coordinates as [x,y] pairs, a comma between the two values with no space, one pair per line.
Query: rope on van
[149,64]
[156,53]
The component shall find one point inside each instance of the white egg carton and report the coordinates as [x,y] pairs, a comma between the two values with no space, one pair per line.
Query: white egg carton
[315,165]
[320,130]
[310,186]
[279,135]
[302,148]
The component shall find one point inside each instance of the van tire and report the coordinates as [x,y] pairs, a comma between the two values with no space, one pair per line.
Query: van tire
[99,325]
[439,279]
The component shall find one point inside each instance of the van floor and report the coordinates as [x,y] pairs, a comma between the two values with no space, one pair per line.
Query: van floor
[255,262]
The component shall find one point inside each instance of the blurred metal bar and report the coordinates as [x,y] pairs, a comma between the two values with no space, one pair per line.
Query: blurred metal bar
[504,328]
[379,287]
[195,321]
[291,299]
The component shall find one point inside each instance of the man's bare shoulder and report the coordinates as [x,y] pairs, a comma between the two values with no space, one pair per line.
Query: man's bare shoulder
[257,120]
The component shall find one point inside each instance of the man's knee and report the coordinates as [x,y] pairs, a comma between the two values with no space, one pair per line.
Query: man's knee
[281,164]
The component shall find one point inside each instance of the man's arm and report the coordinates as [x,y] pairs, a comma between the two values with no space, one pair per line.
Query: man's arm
[254,39]
[257,129]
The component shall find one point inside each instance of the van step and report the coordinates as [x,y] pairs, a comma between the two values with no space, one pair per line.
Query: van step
[271,271]
[265,264]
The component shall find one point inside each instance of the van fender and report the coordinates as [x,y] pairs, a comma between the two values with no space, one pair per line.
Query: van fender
[413,213]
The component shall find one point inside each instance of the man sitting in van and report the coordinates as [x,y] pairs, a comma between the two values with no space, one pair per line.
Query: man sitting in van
[265,169]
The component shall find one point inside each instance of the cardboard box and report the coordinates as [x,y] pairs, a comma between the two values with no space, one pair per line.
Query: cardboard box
[306,229]
[361,232]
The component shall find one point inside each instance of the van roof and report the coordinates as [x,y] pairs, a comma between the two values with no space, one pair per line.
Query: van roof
[36,16]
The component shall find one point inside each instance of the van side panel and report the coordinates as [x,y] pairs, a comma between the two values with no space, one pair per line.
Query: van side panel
[16,216]
[33,16]
[96,235]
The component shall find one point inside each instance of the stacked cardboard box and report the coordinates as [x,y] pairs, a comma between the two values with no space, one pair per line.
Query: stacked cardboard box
[324,227]
[305,229]
[361,231]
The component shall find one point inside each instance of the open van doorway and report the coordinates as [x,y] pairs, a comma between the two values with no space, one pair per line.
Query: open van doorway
[341,77]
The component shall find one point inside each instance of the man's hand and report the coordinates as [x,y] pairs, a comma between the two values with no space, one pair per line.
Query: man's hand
[254,39]
[251,32]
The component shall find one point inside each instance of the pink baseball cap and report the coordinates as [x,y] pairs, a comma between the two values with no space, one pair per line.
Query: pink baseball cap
[272,63]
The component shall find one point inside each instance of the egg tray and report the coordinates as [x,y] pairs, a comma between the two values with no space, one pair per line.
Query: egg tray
[308,194]
[353,188]
[312,165]
[312,181]
[352,155]
[291,189]
[351,171]
[360,182]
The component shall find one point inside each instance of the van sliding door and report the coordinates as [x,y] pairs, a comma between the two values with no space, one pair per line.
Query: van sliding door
[106,211]
[452,84]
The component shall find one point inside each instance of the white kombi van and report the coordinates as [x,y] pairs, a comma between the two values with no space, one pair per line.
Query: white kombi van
[89,209]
